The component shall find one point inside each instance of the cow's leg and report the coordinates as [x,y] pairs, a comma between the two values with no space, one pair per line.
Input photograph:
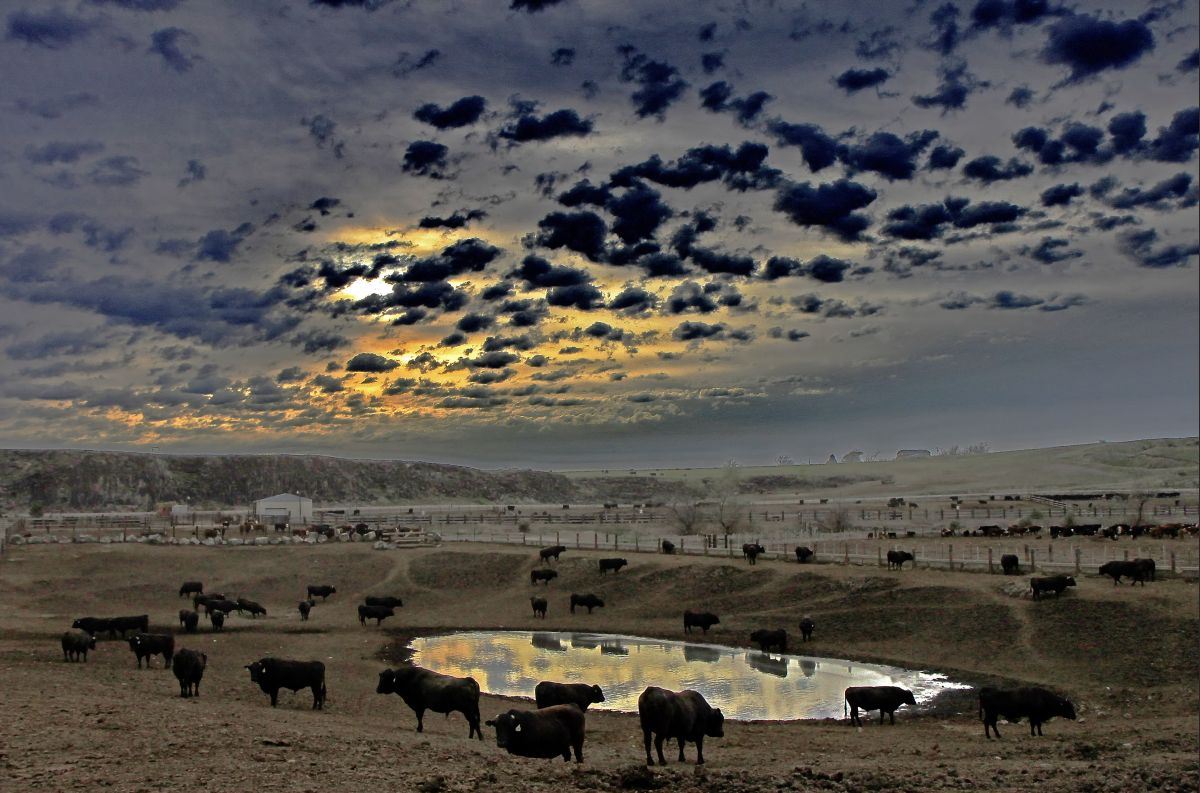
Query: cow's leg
[892,716]
[681,759]
[854,720]
[577,746]
[658,743]
[421,720]
[699,749]
[274,697]
[646,740]
[882,714]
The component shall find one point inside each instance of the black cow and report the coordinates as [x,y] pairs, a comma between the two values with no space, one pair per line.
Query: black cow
[245,604]
[92,625]
[190,588]
[668,546]
[76,643]
[1011,564]
[189,669]
[547,693]
[803,554]
[1134,570]
[751,550]
[682,715]
[766,639]
[304,607]
[588,601]
[138,624]
[189,619]
[223,606]
[547,732]
[1036,704]
[377,613]
[546,554]
[148,645]
[806,628]
[217,618]
[896,559]
[885,699]
[422,689]
[545,576]
[612,564]
[272,674]
[1148,569]
[539,606]
[384,600]
[699,619]
[1054,583]
[321,590]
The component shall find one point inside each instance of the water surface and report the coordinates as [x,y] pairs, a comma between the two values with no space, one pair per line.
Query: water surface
[745,684]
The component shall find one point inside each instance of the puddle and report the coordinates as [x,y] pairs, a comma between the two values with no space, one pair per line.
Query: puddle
[746,684]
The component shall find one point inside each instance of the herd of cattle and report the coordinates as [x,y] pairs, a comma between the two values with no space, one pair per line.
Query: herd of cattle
[557,727]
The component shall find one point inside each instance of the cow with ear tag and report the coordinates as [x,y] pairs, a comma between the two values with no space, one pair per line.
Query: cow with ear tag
[546,732]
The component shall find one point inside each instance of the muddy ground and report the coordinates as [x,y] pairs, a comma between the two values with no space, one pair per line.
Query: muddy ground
[1127,657]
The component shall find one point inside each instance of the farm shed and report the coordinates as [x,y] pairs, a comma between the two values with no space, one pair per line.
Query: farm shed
[284,507]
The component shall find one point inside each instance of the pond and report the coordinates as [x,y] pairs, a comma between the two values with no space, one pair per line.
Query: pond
[745,684]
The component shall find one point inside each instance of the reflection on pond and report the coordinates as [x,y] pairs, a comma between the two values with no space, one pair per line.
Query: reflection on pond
[745,684]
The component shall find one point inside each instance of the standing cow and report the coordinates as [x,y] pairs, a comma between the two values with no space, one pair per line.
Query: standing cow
[322,591]
[1036,704]
[547,693]
[766,639]
[751,551]
[588,601]
[423,689]
[552,552]
[147,645]
[188,620]
[803,554]
[305,607]
[544,576]
[189,670]
[885,699]
[806,628]
[1011,564]
[272,674]
[76,643]
[681,715]
[612,564]
[539,606]
[1054,583]
[896,559]
[699,619]
[191,588]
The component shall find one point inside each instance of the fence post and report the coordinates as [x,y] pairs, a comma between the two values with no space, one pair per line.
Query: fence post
[1032,559]
[846,553]
[914,556]
[1172,561]
[990,567]
[1126,552]
[879,549]
[1050,552]
[1078,554]
[951,550]
[577,546]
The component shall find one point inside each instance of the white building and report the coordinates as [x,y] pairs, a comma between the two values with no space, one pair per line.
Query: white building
[284,508]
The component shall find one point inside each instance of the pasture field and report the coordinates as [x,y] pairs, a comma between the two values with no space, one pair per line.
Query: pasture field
[1126,656]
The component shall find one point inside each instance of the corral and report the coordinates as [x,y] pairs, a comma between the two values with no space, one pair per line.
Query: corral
[1127,658]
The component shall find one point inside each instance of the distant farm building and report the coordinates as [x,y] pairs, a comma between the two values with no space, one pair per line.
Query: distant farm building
[852,457]
[832,460]
[913,454]
[284,508]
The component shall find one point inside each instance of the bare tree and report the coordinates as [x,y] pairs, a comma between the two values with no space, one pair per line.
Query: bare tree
[685,512]
[1141,498]
[729,509]
[836,520]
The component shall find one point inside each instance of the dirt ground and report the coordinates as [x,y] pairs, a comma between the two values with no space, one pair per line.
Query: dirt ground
[1127,657]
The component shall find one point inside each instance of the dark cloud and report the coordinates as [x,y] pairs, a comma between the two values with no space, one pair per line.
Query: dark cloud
[1127,131]
[584,297]
[792,334]
[457,220]
[559,124]
[321,128]
[989,169]
[582,232]
[1004,14]
[52,28]
[118,171]
[496,291]
[464,256]
[533,6]
[945,35]
[717,262]
[1052,250]
[195,172]
[584,192]
[929,221]
[169,44]
[660,83]
[56,152]
[426,158]
[1010,301]
[370,362]
[1175,192]
[325,204]
[632,301]
[638,213]
[1061,194]
[719,98]
[1088,45]
[945,157]
[473,323]
[408,63]
[319,341]
[51,107]
[1179,140]
[951,93]
[1190,63]
[1021,96]
[712,62]
[832,206]
[562,56]
[220,245]
[854,80]
[140,5]
[694,331]
[819,149]
[878,44]
[460,113]
[886,154]
[1138,245]
[537,272]
[1077,143]
[740,168]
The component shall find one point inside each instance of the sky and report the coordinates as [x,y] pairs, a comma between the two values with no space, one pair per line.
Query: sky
[582,233]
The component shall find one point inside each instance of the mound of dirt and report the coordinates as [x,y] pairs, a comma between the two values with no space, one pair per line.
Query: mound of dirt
[470,570]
